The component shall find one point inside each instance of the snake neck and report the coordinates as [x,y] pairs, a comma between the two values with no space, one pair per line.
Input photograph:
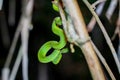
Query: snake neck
[59,32]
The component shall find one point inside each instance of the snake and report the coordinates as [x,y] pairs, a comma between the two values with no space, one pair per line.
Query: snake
[58,46]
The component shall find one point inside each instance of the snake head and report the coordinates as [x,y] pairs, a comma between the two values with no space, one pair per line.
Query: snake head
[55,5]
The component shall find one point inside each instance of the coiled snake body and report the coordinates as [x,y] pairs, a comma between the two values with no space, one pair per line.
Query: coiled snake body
[56,55]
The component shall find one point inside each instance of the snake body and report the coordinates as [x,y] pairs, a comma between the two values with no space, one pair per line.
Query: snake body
[56,55]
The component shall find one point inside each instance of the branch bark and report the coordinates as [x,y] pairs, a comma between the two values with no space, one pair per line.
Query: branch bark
[75,14]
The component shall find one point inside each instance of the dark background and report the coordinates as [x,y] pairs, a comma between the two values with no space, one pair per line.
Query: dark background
[73,66]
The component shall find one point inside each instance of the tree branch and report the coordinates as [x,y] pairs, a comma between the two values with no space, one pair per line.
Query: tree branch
[73,11]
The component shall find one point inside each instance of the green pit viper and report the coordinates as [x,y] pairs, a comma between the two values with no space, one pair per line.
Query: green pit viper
[58,47]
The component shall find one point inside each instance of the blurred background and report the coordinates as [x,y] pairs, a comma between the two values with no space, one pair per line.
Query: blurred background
[73,66]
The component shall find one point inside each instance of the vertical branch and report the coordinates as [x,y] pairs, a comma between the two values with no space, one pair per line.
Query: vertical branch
[26,23]
[75,14]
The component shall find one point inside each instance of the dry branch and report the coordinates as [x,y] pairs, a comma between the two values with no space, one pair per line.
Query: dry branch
[75,14]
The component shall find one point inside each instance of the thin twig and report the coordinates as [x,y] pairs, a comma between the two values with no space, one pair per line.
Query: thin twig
[28,11]
[111,8]
[93,21]
[96,3]
[105,34]
[26,23]
[12,48]
[11,52]
[103,61]
[16,65]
